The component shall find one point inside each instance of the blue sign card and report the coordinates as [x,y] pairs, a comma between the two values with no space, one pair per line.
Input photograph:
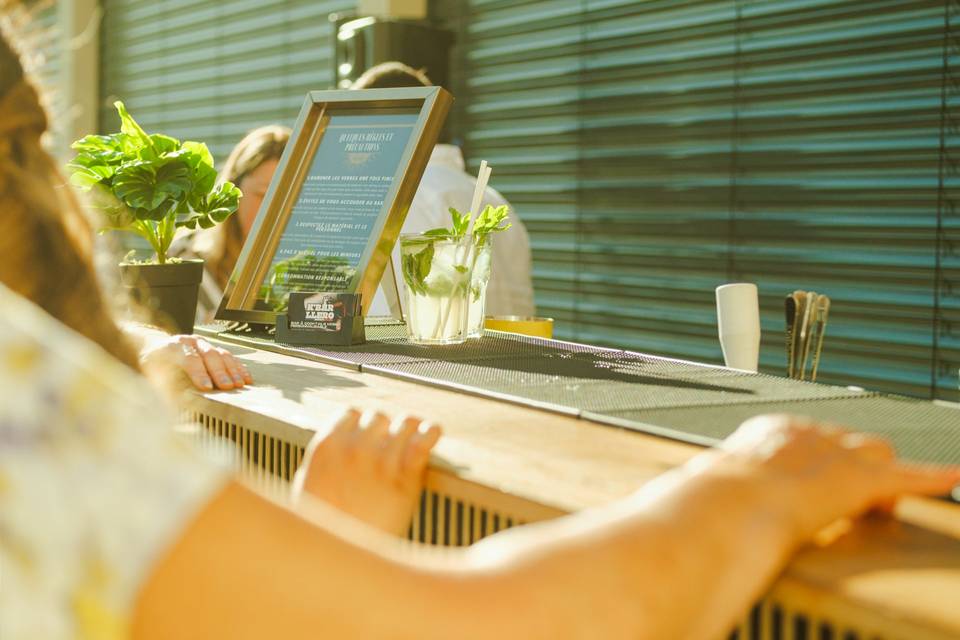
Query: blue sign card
[321,319]
[339,204]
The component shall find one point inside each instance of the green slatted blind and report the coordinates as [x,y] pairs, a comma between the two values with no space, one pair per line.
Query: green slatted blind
[657,149]
[213,70]
[43,42]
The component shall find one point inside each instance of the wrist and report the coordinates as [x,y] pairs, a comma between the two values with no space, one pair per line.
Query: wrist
[767,499]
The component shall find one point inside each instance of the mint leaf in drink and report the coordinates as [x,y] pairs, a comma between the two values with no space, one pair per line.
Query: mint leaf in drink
[416,267]
[424,263]
[461,223]
[491,220]
[438,233]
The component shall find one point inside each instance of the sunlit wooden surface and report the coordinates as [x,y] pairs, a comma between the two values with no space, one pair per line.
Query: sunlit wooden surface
[883,578]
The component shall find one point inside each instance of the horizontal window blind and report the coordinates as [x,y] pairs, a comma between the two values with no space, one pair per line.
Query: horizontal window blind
[654,150]
[212,70]
[658,149]
[42,40]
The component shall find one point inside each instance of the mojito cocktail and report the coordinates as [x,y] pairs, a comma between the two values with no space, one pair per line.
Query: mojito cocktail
[437,272]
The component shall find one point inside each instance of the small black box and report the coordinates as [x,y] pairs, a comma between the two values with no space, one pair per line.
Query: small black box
[321,319]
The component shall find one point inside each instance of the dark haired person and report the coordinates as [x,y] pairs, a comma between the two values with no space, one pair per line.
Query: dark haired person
[446,184]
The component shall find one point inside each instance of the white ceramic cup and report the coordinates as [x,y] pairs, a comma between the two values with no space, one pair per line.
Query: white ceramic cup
[738,322]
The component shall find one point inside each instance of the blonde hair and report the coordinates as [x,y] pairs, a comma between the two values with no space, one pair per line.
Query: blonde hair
[220,246]
[47,245]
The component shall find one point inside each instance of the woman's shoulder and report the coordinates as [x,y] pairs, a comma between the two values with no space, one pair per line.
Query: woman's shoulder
[89,458]
[33,342]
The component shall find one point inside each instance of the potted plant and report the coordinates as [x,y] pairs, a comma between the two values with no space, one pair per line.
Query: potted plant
[152,185]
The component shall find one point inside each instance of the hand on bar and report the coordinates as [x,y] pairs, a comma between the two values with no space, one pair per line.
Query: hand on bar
[206,366]
[817,472]
[369,467]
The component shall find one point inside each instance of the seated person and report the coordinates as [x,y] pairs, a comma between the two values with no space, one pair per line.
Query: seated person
[445,184]
[109,528]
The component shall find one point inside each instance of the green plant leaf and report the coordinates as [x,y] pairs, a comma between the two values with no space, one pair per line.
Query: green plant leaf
[157,213]
[130,146]
[96,161]
[134,184]
[491,220]
[130,127]
[425,263]
[203,175]
[152,187]
[95,144]
[160,148]
[164,144]
[204,179]
[87,172]
[150,183]
[438,233]
[408,269]
[105,150]
[173,178]
[215,208]
[223,202]
[88,159]
[199,149]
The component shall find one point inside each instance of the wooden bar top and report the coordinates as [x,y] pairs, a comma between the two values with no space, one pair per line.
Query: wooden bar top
[906,570]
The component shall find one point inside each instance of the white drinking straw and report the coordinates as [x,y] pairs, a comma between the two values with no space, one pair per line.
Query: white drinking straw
[483,175]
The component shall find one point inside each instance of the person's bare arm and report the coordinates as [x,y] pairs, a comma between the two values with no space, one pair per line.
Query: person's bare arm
[691,551]
[682,558]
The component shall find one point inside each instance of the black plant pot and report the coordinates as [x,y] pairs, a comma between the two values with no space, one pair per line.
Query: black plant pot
[167,291]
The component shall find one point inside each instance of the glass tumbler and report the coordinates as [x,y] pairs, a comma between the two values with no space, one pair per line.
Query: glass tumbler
[437,272]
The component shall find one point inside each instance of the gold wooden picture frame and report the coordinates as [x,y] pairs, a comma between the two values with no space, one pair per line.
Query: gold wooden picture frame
[364,151]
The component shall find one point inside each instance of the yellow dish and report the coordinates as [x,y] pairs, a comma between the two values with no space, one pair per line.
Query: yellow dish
[526,325]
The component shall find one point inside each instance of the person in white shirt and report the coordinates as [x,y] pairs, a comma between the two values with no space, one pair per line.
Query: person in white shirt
[446,184]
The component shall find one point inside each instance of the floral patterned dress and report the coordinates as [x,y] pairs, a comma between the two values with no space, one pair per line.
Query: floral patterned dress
[94,483]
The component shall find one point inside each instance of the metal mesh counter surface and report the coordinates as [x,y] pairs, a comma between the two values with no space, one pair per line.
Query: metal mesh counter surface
[683,400]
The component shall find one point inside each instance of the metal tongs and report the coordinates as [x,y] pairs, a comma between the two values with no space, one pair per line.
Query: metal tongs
[806,317]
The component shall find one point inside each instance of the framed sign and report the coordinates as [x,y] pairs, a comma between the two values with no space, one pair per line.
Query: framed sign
[338,199]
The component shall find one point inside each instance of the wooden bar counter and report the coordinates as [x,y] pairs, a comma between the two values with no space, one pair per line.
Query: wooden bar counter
[500,465]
